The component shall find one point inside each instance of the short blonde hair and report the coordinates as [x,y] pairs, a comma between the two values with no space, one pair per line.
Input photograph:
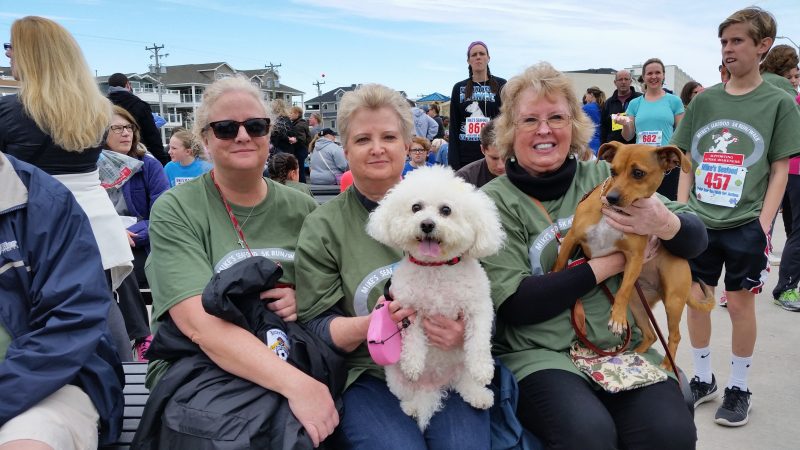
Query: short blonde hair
[374,97]
[57,89]
[548,82]
[188,142]
[760,23]
[217,89]
[279,107]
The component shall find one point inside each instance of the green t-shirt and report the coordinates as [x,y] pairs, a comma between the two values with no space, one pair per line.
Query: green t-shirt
[531,249]
[763,126]
[5,341]
[191,238]
[780,83]
[302,187]
[339,264]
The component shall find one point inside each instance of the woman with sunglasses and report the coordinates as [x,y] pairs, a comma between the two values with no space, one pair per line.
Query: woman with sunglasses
[207,224]
[341,273]
[133,200]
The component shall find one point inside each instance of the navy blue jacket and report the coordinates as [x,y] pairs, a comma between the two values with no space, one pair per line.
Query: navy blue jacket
[55,299]
[141,192]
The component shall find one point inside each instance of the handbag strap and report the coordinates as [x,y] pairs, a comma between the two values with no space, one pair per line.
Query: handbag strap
[653,321]
[577,313]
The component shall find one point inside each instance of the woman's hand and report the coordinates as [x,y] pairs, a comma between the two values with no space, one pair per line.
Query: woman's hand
[282,302]
[399,313]
[644,216]
[444,333]
[131,235]
[311,402]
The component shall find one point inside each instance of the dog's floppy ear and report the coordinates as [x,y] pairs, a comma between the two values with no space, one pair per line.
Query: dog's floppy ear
[380,221]
[671,157]
[608,150]
[489,234]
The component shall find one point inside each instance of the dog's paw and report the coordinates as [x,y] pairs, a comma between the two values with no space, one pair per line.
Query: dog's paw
[618,325]
[480,398]
[408,408]
[483,372]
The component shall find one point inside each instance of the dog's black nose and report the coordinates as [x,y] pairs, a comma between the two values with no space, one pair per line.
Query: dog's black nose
[427,226]
[612,197]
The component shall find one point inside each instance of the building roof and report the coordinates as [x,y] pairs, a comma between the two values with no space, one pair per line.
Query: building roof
[435,97]
[601,71]
[330,96]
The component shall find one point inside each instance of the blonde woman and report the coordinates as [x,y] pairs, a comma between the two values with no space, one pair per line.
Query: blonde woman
[56,123]
[186,163]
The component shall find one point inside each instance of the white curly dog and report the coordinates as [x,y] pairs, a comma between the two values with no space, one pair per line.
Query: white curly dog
[443,224]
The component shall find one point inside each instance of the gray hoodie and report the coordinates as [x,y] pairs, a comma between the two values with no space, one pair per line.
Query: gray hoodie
[327,162]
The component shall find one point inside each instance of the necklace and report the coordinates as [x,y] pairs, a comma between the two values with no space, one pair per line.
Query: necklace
[236,227]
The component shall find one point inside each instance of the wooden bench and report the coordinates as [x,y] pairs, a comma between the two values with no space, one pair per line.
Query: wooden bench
[135,398]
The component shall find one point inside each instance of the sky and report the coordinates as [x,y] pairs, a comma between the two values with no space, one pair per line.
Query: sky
[417,46]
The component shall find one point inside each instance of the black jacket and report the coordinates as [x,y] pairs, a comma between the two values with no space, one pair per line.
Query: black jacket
[282,130]
[197,405]
[140,110]
[614,106]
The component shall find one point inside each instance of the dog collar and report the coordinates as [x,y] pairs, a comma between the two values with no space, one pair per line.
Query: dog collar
[449,262]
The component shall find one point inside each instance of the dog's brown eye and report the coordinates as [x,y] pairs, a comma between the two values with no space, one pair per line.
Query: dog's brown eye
[416,207]
[638,174]
[445,210]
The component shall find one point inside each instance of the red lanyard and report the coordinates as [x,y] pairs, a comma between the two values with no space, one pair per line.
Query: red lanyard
[234,222]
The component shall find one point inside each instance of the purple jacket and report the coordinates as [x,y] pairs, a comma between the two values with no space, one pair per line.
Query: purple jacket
[140,192]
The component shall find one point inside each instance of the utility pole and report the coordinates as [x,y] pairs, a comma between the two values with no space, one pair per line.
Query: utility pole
[157,70]
[317,84]
[272,68]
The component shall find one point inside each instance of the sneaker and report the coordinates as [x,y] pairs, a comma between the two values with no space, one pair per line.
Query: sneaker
[140,348]
[735,408]
[723,301]
[703,392]
[789,300]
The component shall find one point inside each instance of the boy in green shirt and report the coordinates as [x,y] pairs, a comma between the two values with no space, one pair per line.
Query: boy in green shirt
[739,136]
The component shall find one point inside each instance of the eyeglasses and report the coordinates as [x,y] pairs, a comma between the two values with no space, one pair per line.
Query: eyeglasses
[228,129]
[417,150]
[118,128]
[555,122]
[7,46]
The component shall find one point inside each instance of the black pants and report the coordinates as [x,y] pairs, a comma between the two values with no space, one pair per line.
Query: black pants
[564,411]
[133,308]
[789,272]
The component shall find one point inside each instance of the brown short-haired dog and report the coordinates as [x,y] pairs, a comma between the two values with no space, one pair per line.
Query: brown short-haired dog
[637,171]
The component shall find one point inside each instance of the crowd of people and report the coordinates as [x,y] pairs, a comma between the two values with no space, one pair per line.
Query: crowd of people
[262,299]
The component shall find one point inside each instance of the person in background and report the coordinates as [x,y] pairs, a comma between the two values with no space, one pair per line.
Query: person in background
[120,93]
[282,135]
[434,157]
[417,154]
[491,166]
[777,67]
[327,160]
[315,123]
[652,119]
[593,102]
[340,276]
[186,163]
[617,104]
[56,123]
[424,125]
[133,201]
[60,379]
[283,168]
[302,138]
[433,112]
[724,73]
[473,103]
[689,90]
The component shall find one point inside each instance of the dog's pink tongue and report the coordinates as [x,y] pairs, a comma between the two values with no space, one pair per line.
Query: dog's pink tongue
[430,248]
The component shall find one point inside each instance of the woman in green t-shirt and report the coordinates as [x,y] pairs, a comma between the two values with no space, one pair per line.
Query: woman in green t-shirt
[540,131]
[341,272]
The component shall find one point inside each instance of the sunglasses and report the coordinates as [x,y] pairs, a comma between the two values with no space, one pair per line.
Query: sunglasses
[417,150]
[229,129]
[7,46]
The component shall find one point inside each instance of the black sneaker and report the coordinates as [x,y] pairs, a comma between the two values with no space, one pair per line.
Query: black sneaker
[703,392]
[735,408]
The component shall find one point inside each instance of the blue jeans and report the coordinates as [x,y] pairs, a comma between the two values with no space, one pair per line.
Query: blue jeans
[373,419]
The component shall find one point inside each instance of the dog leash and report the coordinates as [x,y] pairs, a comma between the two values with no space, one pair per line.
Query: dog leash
[658,330]
[577,313]
[388,298]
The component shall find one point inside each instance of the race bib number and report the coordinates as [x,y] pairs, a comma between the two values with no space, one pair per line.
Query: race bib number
[474,126]
[650,138]
[719,179]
